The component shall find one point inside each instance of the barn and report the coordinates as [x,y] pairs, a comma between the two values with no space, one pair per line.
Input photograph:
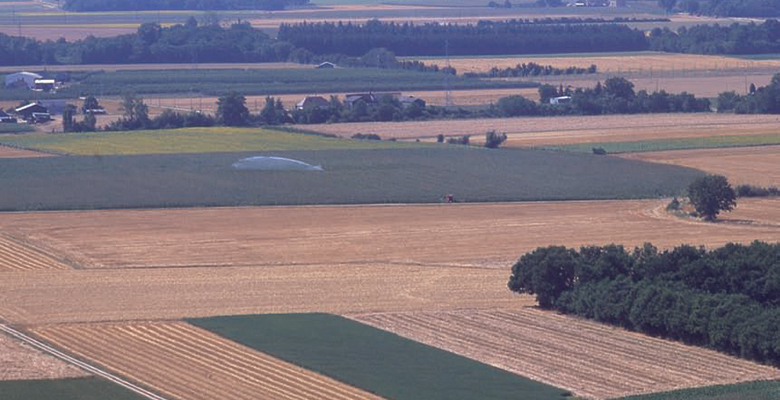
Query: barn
[26,79]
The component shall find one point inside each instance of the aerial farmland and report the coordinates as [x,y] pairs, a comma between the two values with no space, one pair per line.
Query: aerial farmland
[418,200]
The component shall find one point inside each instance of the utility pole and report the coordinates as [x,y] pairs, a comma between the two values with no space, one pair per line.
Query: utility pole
[447,92]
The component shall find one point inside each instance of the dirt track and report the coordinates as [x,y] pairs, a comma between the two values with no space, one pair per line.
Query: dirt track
[19,361]
[185,362]
[747,165]
[590,359]
[538,131]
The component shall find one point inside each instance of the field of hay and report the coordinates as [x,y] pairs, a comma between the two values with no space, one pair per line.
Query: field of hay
[20,256]
[179,360]
[10,152]
[591,360]
[21,362]
[546,131]
[747,165]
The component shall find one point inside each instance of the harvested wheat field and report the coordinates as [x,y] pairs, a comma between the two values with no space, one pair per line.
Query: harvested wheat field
[590,359]
[642,62]
[441,235]
[10,152]
[758,165]
[539,131]
[182,361]
[16,255]
[50,297]
[19,361]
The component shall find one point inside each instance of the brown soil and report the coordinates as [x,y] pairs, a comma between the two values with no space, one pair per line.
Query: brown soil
[19,361]
[538,131]
[746,165]
[185,362]
[590,359]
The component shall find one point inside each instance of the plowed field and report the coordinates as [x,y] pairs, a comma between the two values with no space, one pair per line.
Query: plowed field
[747,165]
[21,362]
[179,360]
[15,255]
[588,358]
[539,131]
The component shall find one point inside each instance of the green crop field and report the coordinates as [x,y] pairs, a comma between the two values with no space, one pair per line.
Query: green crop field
[64,389]
[191,140]
[767,390]
[675,144]
[374,360]
[15,128]
[275,81]
[414,175]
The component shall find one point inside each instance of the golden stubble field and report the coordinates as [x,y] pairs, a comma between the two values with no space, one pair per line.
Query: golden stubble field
[19,361]
[642,62]
[198,262]
[743,165]
[591,360]
[182,361]
[539,131]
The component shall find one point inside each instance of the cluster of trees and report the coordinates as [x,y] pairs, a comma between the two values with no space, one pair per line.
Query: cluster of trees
[764,100]
[531,69]
[749,38]
[615,96]
[137,5]
[374,58]
[727,299]
[733,8]
[486,37]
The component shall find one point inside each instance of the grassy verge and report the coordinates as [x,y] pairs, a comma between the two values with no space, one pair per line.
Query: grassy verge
[674,144]
[64,389]
[767,390]
[192,140]
[374,360]
[412,175]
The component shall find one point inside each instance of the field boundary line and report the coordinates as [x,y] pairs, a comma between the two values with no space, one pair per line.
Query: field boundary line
[81,364]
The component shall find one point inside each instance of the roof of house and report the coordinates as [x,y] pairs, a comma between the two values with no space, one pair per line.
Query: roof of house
[326,64]
[310,99]
[45,81]
[28,106]
[25,73]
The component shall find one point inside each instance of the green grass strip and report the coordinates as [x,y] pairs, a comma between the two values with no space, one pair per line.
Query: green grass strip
[15,128]
[764,390]
[65,389]
[374,360]
[191,140]
[674,144]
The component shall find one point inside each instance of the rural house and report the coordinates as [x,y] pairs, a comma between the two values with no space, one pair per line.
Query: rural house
[27,111]
[44,85]
[22,79]
[351,99]
[560,100]
[311,102]
[326,65]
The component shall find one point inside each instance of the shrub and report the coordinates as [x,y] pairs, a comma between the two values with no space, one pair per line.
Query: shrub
[756,191]
[440,138]
[494,140]
[464,140]
[673,205]
[366,136]
[599,151]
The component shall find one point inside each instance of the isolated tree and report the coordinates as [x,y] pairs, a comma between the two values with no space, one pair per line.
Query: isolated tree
[232,111]
[712,194]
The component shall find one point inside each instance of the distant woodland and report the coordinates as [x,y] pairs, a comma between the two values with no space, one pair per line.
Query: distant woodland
[486,37]
[139,5]
[734,8]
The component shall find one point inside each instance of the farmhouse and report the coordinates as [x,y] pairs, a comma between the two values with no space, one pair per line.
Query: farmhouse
[375,98]
[560,100]
[44,85]
[22,79]
[27,111]
[351,99]
[311,102]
